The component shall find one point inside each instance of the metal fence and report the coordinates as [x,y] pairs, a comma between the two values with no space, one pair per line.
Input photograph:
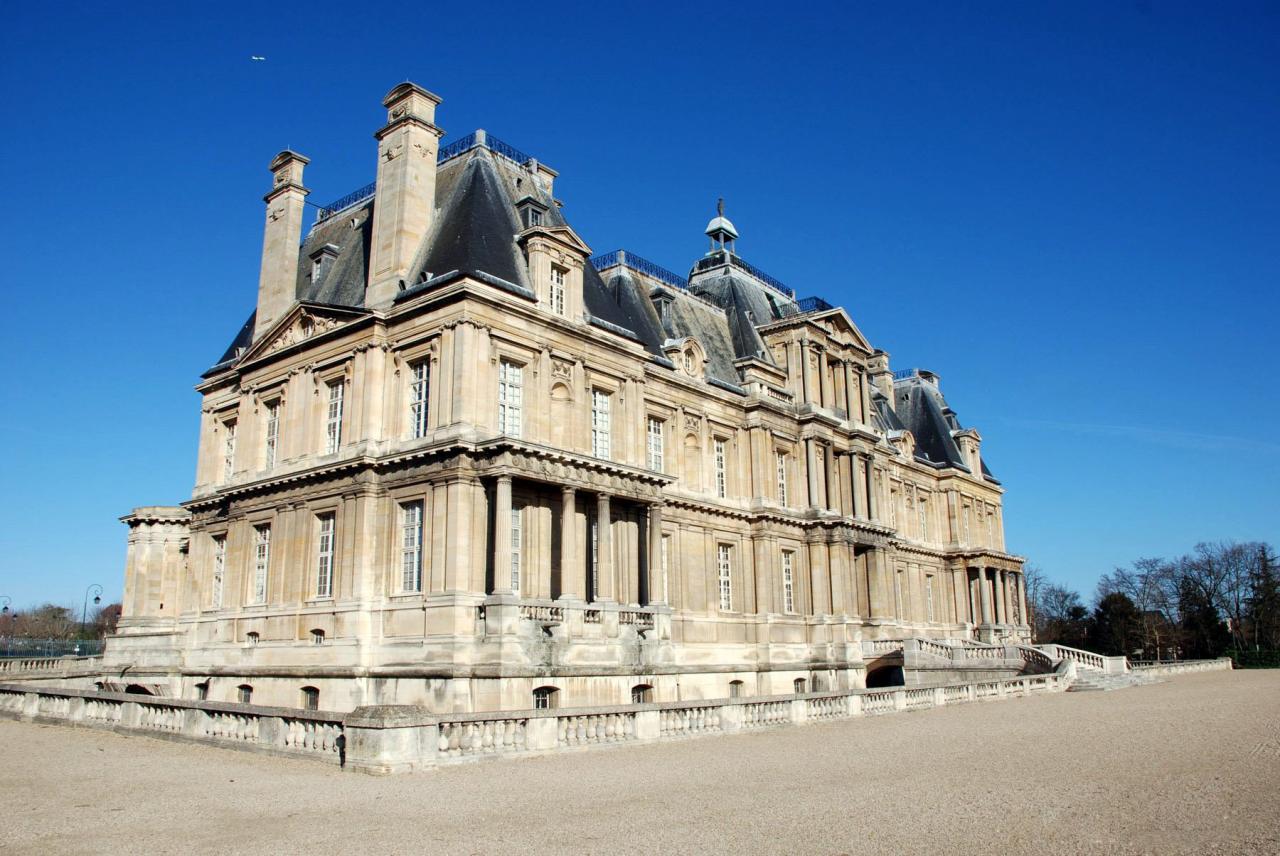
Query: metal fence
[15,646]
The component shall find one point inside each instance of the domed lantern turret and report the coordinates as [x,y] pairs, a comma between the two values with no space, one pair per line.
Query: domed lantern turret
[721,230]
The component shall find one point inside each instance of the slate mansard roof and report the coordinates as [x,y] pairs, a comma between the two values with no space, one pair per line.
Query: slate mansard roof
[722,304]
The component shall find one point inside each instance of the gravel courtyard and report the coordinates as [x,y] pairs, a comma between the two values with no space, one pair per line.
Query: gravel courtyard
[1191,765]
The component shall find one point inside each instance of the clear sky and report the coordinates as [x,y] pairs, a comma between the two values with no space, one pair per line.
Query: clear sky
[1070,211]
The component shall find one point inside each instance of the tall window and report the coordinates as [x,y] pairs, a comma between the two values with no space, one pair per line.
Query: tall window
[897,593]
[510,388]
[557,290]
[922,519]
[599,423]
[324,557]
[244,693]
[724,564]
[655,444]
[780,459]
[991,528]
[595,556]
[928,597]
[261,561]
[333,424]
[272,432]
[788,582]
[517,545]
[310,698]
[965,518]
[411,546]
[228,449]
[219,569]
[721,463]
[419,387]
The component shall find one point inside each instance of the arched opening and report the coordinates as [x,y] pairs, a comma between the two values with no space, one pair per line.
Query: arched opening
[202,691]
[138,689]
[310,698]
[317,636]
[252,637]
[885,676]
[244,694]
[98,686]
[735,689]
[799,685]
[641,693]
[545,698]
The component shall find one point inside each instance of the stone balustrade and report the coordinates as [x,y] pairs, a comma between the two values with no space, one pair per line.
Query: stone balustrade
[273,730]
[1175,667]
[1087,659]
[399,738]
[21,667]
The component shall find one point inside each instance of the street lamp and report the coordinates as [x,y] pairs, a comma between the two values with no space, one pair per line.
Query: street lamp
[7,600]
[97,599]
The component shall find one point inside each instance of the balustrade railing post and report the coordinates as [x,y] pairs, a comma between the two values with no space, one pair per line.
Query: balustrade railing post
[799,711]
[382,739]
[899,699]
[731,717]
[648,724]
[130,714]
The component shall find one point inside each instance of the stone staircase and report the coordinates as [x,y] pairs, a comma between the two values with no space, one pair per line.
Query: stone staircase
[1087,680]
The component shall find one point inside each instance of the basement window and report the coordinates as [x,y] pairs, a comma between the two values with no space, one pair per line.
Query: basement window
[544,698]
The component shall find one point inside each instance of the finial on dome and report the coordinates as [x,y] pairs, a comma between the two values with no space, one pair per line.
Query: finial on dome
[721,230]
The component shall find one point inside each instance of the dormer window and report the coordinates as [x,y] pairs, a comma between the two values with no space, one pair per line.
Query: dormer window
[532,212]
[319,259]
[688,362]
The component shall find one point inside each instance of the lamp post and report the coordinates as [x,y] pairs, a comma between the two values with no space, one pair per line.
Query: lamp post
[97,599]
[7,600]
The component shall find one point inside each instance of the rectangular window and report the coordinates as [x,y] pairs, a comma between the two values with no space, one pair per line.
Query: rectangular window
[991,530]
[419,387]
[928,597]
[517,545]
[788,582]
[724,565]
[721,463]
[595,556]
[599,423]
[333,424]
[411,547]
[273,433]
[228,449]
[965,518]
[655,444]
[897,594]
[781,460]
[261,562]
[324,557]
[510,390]
[557,290]
[923,521]
[219,570]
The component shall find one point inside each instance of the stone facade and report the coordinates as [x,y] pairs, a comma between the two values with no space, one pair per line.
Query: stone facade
[455,460]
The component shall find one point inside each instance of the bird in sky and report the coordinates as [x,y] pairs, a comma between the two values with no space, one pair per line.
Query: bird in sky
[258,58]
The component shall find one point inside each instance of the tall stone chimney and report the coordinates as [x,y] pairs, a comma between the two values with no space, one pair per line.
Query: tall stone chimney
[277,281]
[406,193]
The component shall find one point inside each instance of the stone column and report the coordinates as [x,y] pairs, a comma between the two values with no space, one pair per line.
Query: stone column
[812,471]
[1001,591]
[984,594]
[1022,600]
[826,382]
[657,575]
[865,388]
[871,488]
[573,583]
[604,549]
[502,537]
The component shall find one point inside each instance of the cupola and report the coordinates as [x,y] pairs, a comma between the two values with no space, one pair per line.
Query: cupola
[721,230]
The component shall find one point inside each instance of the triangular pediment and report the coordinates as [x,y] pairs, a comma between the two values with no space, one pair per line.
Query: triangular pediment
[560,234]
[843,327]
[303,322]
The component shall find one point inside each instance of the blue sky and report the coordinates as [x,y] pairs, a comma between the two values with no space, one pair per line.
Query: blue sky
[1070,211]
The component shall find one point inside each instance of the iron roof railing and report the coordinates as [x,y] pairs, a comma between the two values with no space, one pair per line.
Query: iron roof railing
[347,201]
[813,304]
[719,257]
[903,374]
[644,266]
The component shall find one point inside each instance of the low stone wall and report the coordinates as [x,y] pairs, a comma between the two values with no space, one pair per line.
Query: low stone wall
[20,668]
[396,738]
[1178,667]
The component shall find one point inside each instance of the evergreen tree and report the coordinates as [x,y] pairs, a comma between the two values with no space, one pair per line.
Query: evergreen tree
[1115,628]
[1264,601]
[1204,633]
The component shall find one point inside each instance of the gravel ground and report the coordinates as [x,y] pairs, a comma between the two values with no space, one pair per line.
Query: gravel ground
[1191,765]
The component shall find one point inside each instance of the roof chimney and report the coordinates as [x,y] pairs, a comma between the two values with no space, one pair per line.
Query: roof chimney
[278,279]
[406,196]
